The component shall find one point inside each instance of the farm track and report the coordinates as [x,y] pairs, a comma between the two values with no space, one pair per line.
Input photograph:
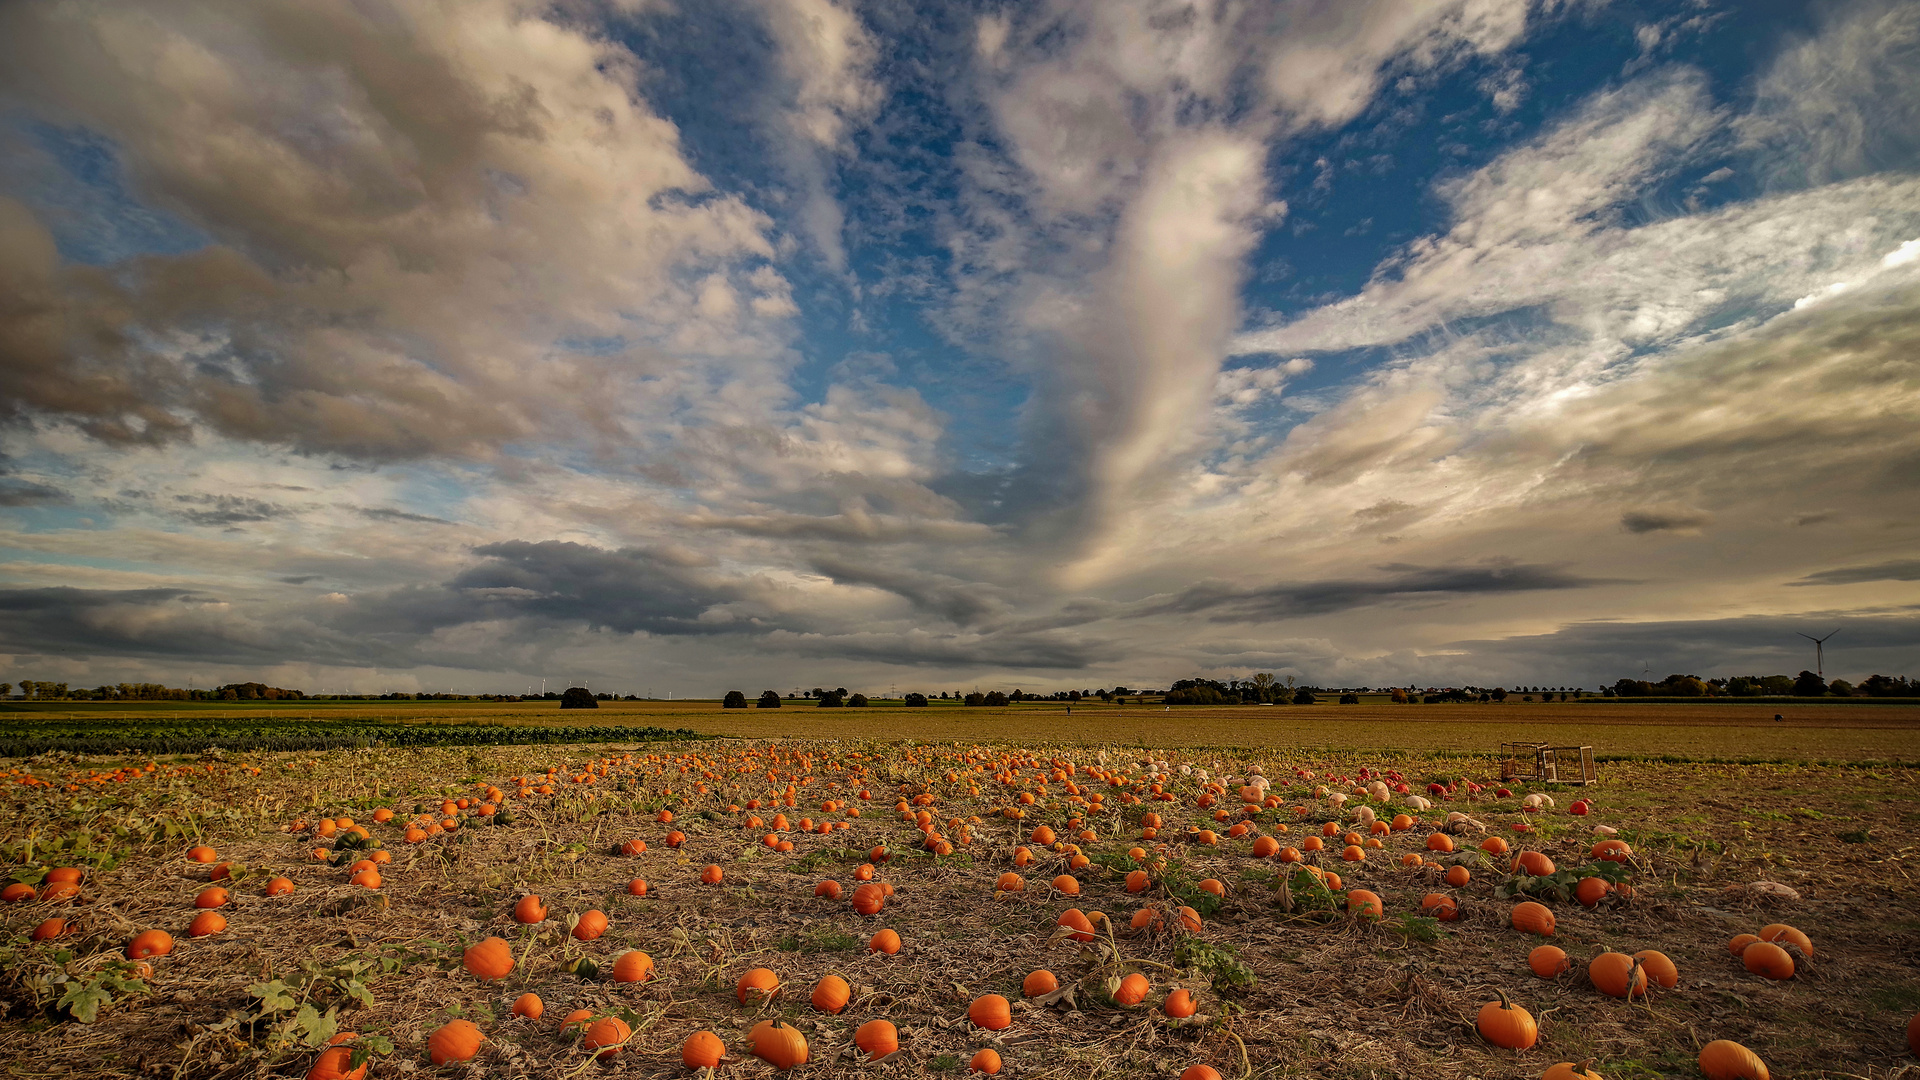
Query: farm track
[1334,997]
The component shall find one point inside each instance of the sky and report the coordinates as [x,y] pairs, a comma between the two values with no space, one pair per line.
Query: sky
[678,347]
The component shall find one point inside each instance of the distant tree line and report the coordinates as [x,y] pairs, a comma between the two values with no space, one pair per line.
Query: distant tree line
[1805,684]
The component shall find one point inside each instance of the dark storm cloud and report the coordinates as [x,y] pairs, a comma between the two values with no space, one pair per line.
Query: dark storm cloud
[1226,603]
[226,509]
[557,582]
[955,600]
[1024,652]
[1898,570]
[1646,521]
[28,493]
[382,513]
[1597,653]
[167,624]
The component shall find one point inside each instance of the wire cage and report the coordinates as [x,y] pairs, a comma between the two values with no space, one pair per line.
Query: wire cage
[1547,764]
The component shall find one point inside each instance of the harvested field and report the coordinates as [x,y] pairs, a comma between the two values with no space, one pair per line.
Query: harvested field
[1288,984]
[1716,731]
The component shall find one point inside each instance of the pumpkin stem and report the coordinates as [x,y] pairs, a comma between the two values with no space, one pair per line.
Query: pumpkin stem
[1504,1002]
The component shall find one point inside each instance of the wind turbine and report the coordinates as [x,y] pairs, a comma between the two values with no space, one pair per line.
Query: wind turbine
[1819,651]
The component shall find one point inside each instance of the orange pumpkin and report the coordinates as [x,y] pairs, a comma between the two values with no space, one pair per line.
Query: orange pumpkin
[633,966]
[1618,975]
[1533,918]
[702,1050]
[1364,904]
[150,943]
[206,924]
[336,1063]
[457,1040]
[488,959]
[990,1011]
[1505,1024]
[778,1043]
[606,1036]
[51,929]
[1783,935]
[758,984]
[211,897]
[1548,961]
[1179,1004]
[1724,1059]
[1132,990]
[529,910]
[831,994]
[868,899]
[886,941]
[591,924]
[878,1038]
[986,1060]
[278,887]
[1567,1070]
[1659,967]
[1039,982]
[528,1005]
[711,875]
[1767,959]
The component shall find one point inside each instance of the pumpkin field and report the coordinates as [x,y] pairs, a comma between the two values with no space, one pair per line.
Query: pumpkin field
[849,907]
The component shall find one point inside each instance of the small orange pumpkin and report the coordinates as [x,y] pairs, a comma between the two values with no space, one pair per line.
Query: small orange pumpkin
[488,959]
[212,896]
[150,943]
[878,1038]
[1180,1004]
[778,1043]
[1533,918]
[528,1004]
[1618,975]
[758,984]
[986,1060]
[456,1040]
[529,910]
[831,994]
[591,924]
[606,1036]
[1132,990]
[1724,1059]
[1548,961]
[633,966]
[702,1050]
[990,1011]
[1767,959]
[1505,1024]
[206,924]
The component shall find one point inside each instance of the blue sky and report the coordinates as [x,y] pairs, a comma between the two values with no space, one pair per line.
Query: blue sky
[796,342]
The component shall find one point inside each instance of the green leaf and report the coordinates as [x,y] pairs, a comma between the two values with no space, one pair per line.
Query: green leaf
[82,1001]
[275,996]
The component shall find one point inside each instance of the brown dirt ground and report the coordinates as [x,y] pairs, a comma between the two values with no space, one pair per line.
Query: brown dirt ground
[1334,997]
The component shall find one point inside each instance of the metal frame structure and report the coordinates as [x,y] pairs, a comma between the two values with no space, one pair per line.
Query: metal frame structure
[1547,764]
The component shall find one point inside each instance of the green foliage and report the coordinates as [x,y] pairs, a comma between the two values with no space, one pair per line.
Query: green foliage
[1219,962]
[1560,884]
[154,736]
[1413,927]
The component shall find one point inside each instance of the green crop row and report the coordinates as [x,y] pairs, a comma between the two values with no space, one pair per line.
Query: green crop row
[136,739]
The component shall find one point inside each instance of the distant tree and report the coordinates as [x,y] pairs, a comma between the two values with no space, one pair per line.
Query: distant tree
[737,700]
[830,700]
[1106,695]
[769,699]
[1016,696]
[1304,696]
[1888,686]
[1498,693]
[943,695]
[1121,691]
[1683,686]
[1807,684]
[1349,699]
[842,692]
[6,689]
[1399,696]
[995,698]
[1073,695]
[916,701]
[975,698]
[1777,684]
[1840,688]
[578,697]
[857,701]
